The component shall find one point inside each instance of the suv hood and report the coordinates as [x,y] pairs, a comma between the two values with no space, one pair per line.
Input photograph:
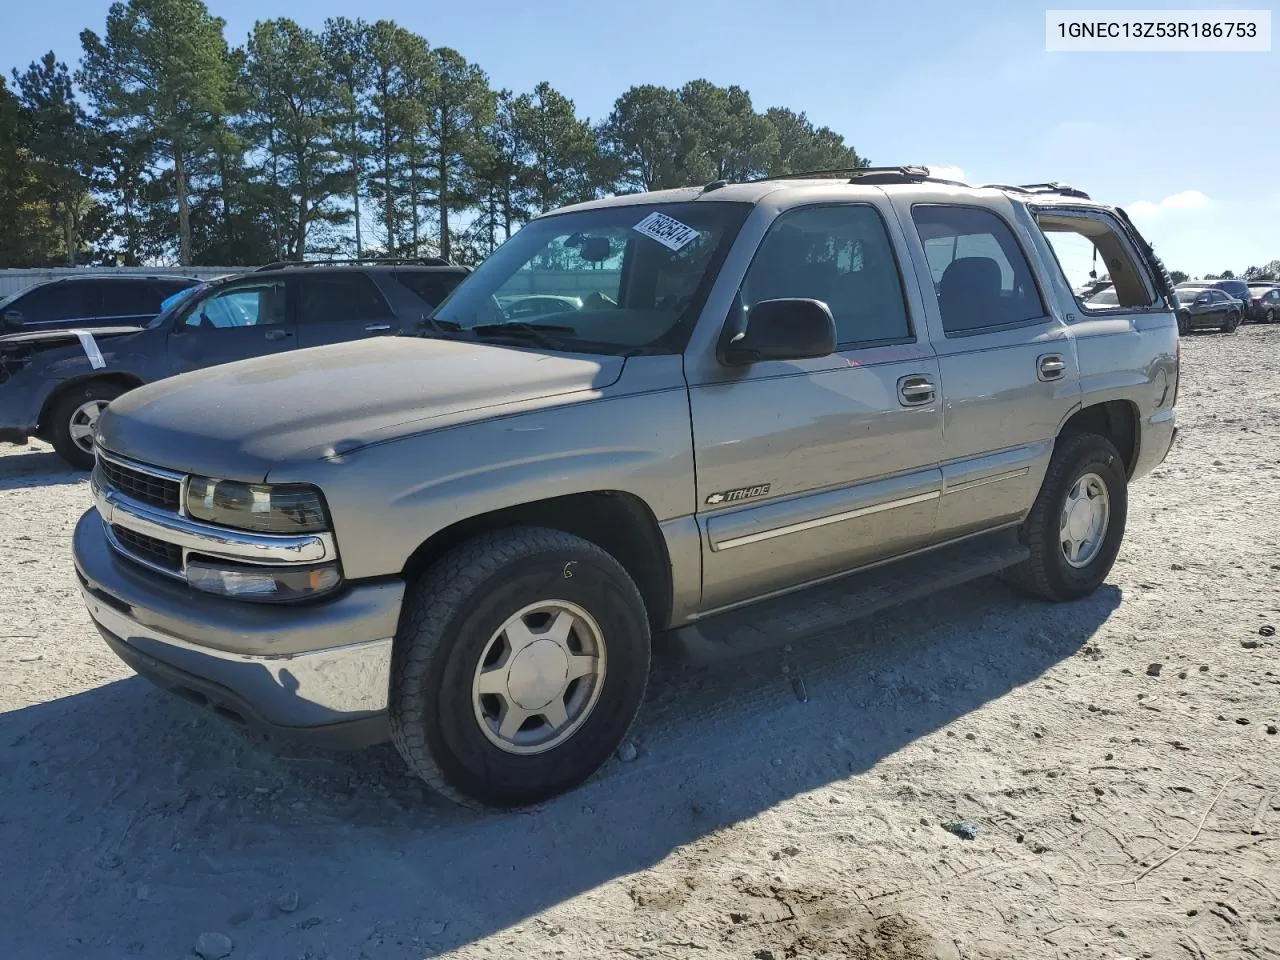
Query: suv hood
[239,420]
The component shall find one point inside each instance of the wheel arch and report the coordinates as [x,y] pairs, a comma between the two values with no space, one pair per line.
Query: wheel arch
[620,523]
[128,380]
[1117,420]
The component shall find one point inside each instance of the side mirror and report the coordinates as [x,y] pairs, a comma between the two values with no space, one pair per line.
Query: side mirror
[790,329]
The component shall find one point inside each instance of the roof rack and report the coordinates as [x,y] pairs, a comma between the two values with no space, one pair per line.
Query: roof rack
[1059,189]
[379,261]
[910,173]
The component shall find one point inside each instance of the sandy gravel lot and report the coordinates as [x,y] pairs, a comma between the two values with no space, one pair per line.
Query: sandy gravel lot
[1119,757]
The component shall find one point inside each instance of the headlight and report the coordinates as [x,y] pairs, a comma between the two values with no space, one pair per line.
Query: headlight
[259,507]
[262,583]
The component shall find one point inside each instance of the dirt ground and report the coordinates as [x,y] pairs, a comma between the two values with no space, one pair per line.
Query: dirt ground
[1118,757]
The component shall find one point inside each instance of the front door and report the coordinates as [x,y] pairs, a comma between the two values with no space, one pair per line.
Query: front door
[243,319]
[809,468]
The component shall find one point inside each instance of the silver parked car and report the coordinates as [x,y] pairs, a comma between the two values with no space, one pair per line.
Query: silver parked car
[837,391]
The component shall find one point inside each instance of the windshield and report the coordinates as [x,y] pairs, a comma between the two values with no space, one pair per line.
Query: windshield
[169,305]
[622,279]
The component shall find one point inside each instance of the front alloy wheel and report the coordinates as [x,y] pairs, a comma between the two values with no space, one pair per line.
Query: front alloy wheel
[519,666]
[73,420]
[539,677]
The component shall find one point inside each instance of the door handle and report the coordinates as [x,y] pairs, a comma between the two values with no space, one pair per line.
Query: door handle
[1051,367]
[276,334]
[376,327]
[915,390]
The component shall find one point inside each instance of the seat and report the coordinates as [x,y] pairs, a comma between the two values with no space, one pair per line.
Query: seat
[969,294]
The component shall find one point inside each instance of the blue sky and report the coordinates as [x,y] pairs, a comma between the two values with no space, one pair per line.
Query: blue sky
[1179,138]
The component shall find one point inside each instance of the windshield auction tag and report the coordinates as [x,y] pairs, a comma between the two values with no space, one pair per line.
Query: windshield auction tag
[90,347]
[668,231]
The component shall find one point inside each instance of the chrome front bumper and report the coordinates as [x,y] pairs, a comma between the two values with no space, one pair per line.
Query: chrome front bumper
[283,668]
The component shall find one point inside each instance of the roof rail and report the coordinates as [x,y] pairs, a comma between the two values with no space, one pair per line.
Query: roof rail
[348,261]
[1059,189]
[870,175]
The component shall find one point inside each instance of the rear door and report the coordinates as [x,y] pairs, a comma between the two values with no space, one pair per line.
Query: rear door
[340,305]
[1008,367]
[235,321]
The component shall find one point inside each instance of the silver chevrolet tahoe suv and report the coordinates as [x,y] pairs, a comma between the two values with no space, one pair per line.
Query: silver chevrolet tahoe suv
[731,413]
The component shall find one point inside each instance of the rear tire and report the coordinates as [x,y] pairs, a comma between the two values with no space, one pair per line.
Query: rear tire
[1086,470]
[1232,324]
[479,643]
[73,418]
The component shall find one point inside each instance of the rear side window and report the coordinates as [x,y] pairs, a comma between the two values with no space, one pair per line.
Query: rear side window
[129,298]
[335,297]
[432,288]
[61,301]
[842,256]
[980,274]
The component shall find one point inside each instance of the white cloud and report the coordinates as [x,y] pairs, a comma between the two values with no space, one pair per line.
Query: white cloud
[945,172]
[1186,200]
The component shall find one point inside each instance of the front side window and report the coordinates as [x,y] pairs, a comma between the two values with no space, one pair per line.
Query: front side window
[339,296]
[842,256]
[618,279]
[246,305]
[981,276]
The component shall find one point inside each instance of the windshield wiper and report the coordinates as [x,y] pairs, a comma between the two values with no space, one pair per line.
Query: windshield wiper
[436,326]
[543,334]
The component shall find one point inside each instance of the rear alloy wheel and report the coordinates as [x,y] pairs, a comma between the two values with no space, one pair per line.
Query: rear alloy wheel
[1232,324]
[73,421]
[1076,525]
[520,663]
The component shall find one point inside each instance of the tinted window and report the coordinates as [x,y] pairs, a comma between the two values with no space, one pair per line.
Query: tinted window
[840,255]
[243,305]
[980,274]
[334,297]
[61,301]
[128,298]
[431,287]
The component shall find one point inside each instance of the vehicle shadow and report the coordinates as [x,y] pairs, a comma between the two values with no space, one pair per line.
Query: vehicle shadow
[36,466]
[132,821]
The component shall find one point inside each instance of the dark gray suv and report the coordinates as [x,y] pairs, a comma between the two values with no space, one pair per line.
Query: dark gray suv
[55,383]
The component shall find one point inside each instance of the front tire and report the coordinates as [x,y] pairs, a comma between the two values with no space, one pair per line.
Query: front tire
[1076,525]
[519,666]
[73,419]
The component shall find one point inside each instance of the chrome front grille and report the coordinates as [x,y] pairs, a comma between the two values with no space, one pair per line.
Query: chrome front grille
[145,487]
[154,552]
